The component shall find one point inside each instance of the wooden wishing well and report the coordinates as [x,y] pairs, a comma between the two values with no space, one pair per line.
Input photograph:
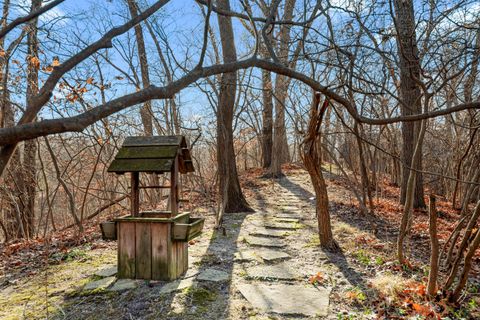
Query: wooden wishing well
[153,244]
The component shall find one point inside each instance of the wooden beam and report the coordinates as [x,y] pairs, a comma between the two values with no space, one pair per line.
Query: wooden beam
[174,188]
[134,194]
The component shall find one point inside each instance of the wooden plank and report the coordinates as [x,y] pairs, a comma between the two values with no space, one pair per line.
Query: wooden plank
[179,218]
[147,152]
[143,251]
[135,194]
[153,141]
[179,264]
[187,230]
[185,256]
[161,246]
[174,188]
[126,250]
[172,266]
[141,165]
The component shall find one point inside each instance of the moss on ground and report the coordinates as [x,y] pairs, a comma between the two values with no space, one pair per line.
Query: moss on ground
[37,296]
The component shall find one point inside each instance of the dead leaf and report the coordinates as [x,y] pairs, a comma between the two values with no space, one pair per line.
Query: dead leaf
[35,62]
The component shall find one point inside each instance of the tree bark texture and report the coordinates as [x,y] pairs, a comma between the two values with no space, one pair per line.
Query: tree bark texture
[311,157]
[410,93]
[280,152]
[233,199]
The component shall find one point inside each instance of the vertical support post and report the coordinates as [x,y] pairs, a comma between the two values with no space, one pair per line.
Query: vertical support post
[134,194]
[174,188]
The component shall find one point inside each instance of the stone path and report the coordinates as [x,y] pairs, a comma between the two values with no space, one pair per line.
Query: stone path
[288,299]
[272,281]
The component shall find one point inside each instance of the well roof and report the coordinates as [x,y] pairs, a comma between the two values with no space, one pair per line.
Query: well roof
[152,154]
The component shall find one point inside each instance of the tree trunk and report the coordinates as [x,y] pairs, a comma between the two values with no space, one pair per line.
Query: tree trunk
[146,113]
[280,153]
[409,199]
[410,94]
[267,130]
[229,185]
[434,252]
[311,157]
[30,148]
[146,110]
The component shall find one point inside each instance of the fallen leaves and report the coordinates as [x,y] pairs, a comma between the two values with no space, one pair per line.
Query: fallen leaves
[318,278]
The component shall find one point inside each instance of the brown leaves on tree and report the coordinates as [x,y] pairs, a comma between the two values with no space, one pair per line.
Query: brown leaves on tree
[34,62]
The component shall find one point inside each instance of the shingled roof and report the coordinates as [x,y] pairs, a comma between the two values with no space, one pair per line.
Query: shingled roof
[152,154]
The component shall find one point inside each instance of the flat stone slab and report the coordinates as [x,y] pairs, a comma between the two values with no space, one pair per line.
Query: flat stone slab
[279,271]
[273,255]
[247,255]
[288,215]
[284,299]
[292,220]
[124,284]
[107,272]
[265,242]
[213,275]
[177,285]
[282,225]
[101,284]
[268,233]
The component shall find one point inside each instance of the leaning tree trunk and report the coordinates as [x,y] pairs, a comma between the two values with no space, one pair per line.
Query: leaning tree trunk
[410,94]
[229,185]
[311,157]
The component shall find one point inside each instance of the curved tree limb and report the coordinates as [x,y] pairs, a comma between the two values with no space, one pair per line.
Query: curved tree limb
[32,15]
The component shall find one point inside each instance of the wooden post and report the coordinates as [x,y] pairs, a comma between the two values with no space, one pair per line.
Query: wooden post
[174,188]
[134,194]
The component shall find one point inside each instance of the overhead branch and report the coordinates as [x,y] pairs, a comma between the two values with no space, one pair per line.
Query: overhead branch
[32,15]
[77,123]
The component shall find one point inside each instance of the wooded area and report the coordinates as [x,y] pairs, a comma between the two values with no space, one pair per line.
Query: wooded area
[378,98]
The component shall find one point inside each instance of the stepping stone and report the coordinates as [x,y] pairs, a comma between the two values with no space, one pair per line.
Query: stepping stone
[191,272]
[273,255]
[107,272]
[244,256]
[123,284]
[294,220]
[279,271]
[288,216]
[101,284]
[177,285]
[269,233]
[265,242]
[213,275]
[282,225]
[283,299]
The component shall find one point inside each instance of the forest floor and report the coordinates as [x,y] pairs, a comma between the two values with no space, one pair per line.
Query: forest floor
[263,265]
